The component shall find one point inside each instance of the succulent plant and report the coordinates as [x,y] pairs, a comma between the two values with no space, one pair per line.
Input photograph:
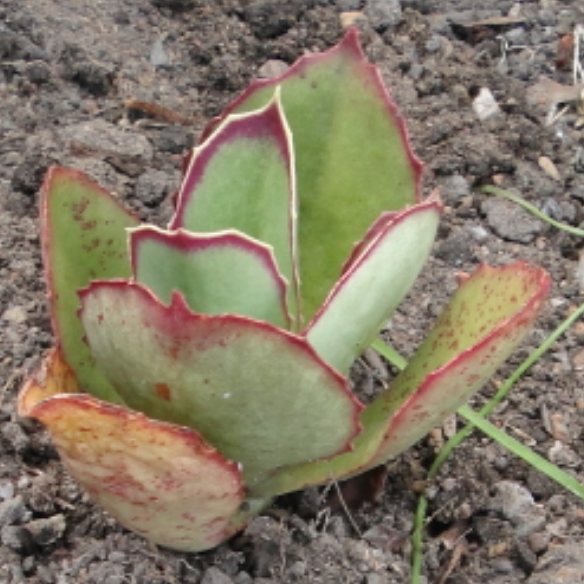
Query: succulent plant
[201,370]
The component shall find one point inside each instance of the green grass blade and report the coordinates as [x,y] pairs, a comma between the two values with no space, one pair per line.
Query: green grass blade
[527,454]
[389,353]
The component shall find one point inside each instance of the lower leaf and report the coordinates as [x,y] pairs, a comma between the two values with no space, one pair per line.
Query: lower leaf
[159,480]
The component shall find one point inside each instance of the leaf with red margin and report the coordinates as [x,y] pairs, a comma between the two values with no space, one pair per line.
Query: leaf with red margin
[353,156]
[488,316]
[162,481]
[83,239]
[258,394]
[373,286]
[242,178]
[217,273]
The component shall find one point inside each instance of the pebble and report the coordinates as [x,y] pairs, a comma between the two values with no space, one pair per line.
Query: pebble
[6,491]
[538,542]
[15,315]
[13,511]
[455,250]
[515,503]
[273,68]
[478,233]
[509,221]
[47,530]
[484,104]
[578,358]
[126,150]
[16,537]
[559,428]
[215,576]
[348,19]
[455,187]
[383,14]
[158,55]
[152,187]
[549,168]
[560,565]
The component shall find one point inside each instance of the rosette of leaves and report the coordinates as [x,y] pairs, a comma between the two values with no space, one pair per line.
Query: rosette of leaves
[201,370]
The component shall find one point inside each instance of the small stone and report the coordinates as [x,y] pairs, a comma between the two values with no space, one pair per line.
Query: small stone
[158,55]
[47,530]
[515,503]
[38,72]
[502,565]
[578,360]
[549,168]
[348,19]
[538,542]
[455,187]
[152,187]
[563,455]
[15,315]
[509,221]
[12,511]
[478,233]
[526,559]
[455,249]
[6,491]
[484,104]
[383,14]
[559,428]
[127,151]
[433,44]
[561,564]
[215,576]
[272,68]
[15,436]
[16,537]
[173,139]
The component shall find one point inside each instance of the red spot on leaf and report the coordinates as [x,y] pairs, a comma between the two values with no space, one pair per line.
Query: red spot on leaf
[162,391]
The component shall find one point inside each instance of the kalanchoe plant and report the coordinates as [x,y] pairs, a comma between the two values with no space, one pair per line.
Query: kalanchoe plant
[201,370]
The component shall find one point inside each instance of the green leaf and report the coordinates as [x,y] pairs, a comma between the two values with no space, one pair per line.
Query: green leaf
[259,395]
[353,159]
[217,273]
[242,178]
[489,314]
[84,239]
[373,286]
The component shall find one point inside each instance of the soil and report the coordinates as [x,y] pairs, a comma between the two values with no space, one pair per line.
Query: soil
[69,71]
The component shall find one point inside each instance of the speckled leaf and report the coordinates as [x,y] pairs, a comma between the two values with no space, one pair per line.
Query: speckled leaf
[160,480]
[489,314]
[259,395]
[487,317]
[353,159]
[242,178]
[374,285]
[217,273]
[83,238]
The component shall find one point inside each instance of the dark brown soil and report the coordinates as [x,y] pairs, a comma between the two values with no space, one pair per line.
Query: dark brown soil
[68,68]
